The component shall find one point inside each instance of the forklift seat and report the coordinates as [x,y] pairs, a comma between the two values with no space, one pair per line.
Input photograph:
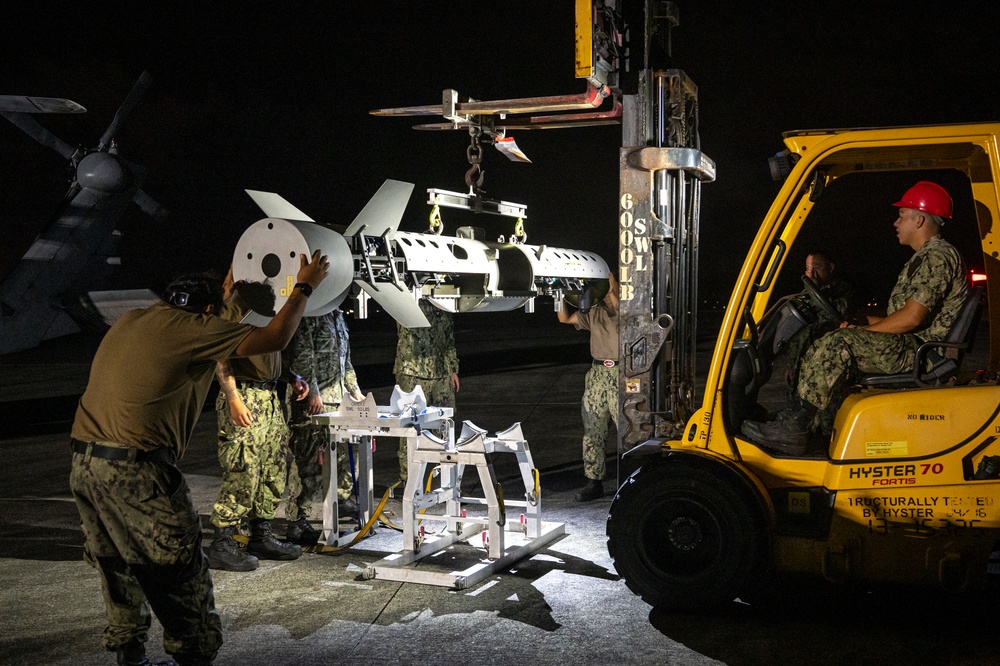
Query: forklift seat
[931,367]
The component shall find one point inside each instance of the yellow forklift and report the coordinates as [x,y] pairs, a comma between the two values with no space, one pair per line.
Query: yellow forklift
[906,486]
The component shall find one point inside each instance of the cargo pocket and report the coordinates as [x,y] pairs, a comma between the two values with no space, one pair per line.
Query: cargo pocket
[176,529]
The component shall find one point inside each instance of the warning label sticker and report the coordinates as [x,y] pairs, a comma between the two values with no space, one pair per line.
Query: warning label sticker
[888,449]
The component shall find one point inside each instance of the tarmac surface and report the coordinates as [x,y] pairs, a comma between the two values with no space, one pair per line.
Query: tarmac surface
[563,604]
[320,609]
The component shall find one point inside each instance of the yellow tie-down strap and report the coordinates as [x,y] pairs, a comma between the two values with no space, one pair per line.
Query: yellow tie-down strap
[322,548]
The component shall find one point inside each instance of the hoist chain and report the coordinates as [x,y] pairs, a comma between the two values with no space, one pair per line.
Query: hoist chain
[474,176]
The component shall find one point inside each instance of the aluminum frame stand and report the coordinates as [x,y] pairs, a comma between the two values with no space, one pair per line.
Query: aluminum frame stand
[358,423]
[504,541]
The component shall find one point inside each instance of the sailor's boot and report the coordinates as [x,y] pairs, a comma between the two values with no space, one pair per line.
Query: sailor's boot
[225,554]
[266,547]
[593,489]
[301,532]
[788,433]
[133,653]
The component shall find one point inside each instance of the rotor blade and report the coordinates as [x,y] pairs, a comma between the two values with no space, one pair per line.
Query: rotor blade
[31,127]
[150,206]
[23,104]
[125,109]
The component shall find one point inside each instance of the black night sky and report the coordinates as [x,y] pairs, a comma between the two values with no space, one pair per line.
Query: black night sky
[275,96]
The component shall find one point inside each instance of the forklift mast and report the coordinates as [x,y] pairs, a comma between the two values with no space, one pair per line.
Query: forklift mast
[661,170]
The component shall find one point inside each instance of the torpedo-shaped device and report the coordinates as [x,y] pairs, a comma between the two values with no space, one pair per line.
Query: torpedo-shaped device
[461,273]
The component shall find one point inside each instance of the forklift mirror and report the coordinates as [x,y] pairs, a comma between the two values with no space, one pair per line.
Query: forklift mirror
[781,164]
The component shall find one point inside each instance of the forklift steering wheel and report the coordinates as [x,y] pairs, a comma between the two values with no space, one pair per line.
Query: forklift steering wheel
[819,300]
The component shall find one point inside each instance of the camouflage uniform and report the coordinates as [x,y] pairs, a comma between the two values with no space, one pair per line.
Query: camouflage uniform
[838,294]
[599,410]
[254,457]
[147,386]
[934,277]
[320,353]
[599,407]
[426,356]
[143,536]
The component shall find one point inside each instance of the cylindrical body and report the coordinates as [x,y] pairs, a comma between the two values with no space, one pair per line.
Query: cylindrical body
[483,276]
[268,251]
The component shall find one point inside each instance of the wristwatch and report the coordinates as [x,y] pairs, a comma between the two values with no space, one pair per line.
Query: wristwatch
[305,288]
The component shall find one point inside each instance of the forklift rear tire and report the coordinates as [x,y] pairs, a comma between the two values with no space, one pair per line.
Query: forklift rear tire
[684,538]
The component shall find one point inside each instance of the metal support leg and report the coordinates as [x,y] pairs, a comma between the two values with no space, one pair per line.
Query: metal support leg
[331,516]
[364,477]
[505,541]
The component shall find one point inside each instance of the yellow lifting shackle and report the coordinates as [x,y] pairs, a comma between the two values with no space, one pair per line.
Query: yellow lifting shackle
[519,234]
[435,221]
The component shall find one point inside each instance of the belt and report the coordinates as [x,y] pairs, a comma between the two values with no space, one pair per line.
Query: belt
[263,386]
[129,453]
[606,362]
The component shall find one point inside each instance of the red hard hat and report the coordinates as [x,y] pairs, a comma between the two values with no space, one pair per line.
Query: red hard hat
[927,197]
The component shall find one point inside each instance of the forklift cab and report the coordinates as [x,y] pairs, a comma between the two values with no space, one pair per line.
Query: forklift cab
[842,205]
[754,357]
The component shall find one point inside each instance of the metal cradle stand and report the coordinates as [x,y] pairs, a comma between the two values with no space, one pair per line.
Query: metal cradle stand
[356,424]
[471,526]
[505,541]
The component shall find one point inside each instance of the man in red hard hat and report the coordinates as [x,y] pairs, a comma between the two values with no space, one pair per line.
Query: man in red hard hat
[928,197]
[923,305]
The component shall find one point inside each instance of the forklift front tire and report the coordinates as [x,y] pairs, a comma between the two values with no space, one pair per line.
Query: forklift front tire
[685,538]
